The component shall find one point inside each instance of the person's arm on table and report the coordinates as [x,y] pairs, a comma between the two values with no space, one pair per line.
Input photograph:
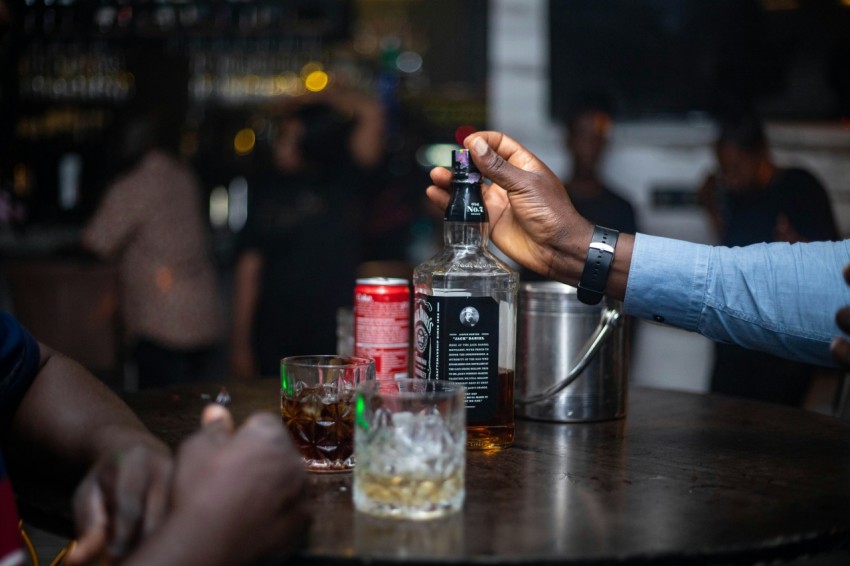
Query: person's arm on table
[237,496]
[779,298]
[67,423]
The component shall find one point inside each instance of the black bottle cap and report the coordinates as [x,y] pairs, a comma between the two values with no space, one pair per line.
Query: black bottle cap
[467,203]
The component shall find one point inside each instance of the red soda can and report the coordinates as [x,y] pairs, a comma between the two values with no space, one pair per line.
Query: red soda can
[382,324]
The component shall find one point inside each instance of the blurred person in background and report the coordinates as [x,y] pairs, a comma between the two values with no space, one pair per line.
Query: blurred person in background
[588,134]
[749,200]
[302,242]
[151,222]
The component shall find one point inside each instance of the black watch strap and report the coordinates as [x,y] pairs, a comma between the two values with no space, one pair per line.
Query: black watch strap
[600,256]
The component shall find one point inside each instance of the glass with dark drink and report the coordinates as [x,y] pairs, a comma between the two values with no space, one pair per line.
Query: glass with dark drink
[317,407]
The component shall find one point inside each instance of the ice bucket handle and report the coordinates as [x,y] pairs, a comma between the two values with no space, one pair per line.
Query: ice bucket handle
[609,320]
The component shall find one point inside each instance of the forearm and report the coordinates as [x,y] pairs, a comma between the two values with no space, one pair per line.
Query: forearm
[366,143]
[106,230]
[68,416]
[777,298]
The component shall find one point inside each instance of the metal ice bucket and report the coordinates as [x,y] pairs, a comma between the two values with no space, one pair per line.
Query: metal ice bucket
[572,361]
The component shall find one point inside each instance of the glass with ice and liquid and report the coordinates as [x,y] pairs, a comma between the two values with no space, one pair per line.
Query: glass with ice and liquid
[410,442]
[317,407]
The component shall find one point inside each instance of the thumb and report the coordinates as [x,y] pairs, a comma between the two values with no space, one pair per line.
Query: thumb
[505,161]
[216,429]
[216,416]
[92,524]
[492,165]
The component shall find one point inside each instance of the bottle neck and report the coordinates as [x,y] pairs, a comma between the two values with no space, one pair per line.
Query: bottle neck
[466,222]
[466,234]
[466,203]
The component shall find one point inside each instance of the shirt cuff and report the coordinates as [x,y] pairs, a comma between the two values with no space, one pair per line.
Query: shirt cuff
[667,281]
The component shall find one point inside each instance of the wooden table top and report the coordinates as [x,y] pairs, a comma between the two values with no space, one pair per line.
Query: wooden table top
[684,478]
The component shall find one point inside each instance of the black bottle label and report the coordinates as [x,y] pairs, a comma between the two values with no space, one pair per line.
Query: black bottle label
[457,338]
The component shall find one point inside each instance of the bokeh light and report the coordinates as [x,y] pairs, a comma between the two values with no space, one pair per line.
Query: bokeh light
[316,81]
[409,62]
[462,131]
[438,154]
[218,207]
[286,83]
[244,141]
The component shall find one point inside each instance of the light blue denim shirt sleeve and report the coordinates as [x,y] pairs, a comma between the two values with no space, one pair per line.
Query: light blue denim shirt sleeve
[779,298]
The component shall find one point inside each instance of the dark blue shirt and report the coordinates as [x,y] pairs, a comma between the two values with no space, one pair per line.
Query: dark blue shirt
[19,358]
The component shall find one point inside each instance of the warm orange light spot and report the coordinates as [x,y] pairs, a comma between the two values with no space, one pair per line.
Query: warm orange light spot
[601,124]
[164,279]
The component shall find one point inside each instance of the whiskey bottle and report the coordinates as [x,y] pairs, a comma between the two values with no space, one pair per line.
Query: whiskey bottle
[465,314]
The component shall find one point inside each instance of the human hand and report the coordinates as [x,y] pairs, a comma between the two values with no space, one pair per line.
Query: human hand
[120,501]
[840,346]
[531,217]
[236,496]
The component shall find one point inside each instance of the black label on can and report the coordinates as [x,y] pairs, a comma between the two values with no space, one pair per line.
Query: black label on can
[457,338]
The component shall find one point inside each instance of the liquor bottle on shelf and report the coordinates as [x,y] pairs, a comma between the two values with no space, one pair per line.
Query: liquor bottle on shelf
[465,314]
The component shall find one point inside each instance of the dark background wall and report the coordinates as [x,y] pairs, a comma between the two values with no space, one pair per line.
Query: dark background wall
[789,59]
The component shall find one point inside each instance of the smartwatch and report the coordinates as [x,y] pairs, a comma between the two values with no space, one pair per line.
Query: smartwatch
[600,256]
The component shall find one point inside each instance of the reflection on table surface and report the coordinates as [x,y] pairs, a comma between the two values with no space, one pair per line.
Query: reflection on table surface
[685,477]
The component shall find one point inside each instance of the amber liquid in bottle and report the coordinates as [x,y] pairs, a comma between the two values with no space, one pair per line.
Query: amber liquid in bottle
[465,314]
